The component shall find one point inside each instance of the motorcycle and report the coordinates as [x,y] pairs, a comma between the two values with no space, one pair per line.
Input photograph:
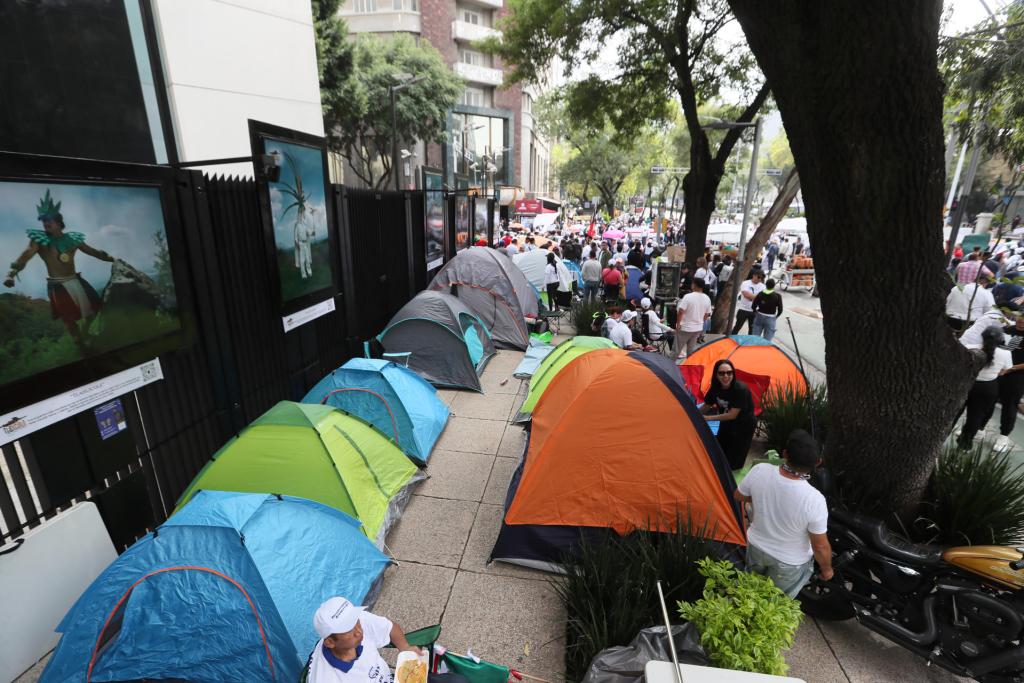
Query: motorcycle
[961,608]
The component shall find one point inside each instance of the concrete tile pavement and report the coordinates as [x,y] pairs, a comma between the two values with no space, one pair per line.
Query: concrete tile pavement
[505,614]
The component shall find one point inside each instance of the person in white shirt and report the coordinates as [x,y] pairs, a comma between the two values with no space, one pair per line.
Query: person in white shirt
[982,397]
[512,249]
[706,274]
[993,318]
[744,307]
[790,518]
[694,310]
[657,330]
[551,282]
[968,303]
[619,332]
[350,640]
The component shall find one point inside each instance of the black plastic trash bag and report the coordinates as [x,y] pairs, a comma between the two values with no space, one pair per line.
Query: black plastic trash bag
[626,664]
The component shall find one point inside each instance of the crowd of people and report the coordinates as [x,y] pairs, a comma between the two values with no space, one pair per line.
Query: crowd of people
[984,307]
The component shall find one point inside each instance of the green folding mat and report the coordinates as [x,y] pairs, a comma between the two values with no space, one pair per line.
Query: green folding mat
[564,353]
[315,452]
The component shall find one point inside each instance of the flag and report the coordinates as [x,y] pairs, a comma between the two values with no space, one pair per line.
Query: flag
[476,670]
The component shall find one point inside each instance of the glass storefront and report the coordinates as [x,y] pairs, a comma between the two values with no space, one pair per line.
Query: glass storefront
[479,149]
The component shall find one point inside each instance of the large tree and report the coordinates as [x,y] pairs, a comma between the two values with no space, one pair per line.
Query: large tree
[662,48]
[859,91]
[984,69]
[598,158]
[357,108]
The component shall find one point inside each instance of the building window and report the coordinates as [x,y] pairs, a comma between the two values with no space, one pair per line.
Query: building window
[364,5]
[407,5]
[471,17]
[527,103]
[473,57]
[477,97]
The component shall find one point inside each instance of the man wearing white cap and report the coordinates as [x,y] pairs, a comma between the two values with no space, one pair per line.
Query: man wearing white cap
[350,640]
[620,332]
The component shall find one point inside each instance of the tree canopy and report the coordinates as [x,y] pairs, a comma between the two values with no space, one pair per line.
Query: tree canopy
[664,49]
[357,104]
[984,73]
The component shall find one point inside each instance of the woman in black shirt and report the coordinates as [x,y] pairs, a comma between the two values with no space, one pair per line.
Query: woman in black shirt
[1011,384]
[730,403]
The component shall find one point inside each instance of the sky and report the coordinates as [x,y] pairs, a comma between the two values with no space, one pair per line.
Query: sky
[119,220]
[309,164]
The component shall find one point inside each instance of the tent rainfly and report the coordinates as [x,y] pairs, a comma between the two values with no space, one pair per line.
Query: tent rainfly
[491,286]
[448,344]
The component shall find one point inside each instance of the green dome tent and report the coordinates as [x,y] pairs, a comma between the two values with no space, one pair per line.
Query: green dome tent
[563,354]
[319,453]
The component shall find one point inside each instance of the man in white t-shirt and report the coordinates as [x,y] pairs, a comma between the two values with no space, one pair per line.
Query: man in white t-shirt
[790,518]
[968,302]
[620,332]
[744,311]
[350,640]
[692,311]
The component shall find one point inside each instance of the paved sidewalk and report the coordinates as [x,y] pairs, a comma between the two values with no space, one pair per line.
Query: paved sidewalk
[509,614]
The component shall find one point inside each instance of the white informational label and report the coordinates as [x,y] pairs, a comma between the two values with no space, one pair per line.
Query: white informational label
[299,318]
[22,422]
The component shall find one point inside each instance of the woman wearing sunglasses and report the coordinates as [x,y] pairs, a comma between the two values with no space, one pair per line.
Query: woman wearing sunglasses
[730,403]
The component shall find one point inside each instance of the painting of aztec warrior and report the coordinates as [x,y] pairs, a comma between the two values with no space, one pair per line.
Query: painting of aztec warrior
[72,299]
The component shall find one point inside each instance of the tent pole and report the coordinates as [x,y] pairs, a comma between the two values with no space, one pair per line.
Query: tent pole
[668,632]
[796,347]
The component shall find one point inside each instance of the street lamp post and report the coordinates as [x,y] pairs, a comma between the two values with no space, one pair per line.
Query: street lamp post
[404,81]
[736,274]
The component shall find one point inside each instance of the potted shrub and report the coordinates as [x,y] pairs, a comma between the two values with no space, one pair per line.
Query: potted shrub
[745,622]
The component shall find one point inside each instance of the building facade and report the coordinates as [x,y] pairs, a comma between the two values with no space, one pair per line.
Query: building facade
[492,139]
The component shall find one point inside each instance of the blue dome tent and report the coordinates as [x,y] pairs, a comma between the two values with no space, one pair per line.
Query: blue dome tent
[224,590]
[398,402]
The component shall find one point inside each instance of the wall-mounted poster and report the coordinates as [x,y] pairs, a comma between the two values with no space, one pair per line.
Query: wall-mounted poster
[462,222]
[297,216]
[433,197]
[89,288]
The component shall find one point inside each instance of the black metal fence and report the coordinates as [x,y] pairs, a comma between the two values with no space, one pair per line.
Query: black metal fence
[241,363]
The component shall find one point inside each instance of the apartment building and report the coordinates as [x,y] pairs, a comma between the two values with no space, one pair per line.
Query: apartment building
[492,137]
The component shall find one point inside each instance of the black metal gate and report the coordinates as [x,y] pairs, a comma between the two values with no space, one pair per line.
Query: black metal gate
[241,364]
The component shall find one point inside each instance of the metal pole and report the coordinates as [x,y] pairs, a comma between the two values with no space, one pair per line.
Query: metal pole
[958,215]
[956,176]
[736,274]
[668,632]
[394,137]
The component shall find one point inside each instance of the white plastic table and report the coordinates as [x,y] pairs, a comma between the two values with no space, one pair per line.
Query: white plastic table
[661,672]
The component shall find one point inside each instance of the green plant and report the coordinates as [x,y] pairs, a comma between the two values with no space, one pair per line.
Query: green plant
[582,316]
[787,408]
[745,622]
[609,587]
[974,496]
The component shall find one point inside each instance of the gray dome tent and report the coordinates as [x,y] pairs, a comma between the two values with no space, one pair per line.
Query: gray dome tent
[448,344]
[495,289]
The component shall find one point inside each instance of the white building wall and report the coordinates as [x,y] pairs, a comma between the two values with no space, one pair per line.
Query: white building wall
[228,61]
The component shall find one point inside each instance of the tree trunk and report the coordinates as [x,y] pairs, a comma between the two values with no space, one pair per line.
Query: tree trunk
[858,88]
[777,211]
[699,188]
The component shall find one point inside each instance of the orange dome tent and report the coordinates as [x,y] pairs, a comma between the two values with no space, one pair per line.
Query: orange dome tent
[616,444]
[758,362]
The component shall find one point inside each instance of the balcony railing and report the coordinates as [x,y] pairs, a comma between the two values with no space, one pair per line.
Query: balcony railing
[383,21]
[479,74]
[491,4]
[465,31]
